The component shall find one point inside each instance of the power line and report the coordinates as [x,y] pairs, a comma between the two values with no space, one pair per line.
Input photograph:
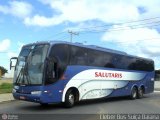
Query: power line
[107,25]
[138,40]
[134,26]
[71,34]
[53,36]
[63,37]
[121,28]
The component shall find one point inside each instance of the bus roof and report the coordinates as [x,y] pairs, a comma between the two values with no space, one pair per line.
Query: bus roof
[91,47]
[88,46]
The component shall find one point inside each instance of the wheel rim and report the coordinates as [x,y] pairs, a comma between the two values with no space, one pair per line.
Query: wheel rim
[134,94]
[141,92]
[71,98]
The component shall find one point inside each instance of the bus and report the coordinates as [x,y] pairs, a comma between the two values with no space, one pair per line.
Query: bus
[64,72]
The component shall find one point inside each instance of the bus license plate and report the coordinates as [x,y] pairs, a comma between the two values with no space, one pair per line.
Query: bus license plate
[22,98]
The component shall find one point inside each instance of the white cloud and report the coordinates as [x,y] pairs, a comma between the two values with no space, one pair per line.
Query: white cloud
[84,10]
[143,42]
[38,20]
[20,45]
[15,54]
[4,9]
[17,8]
[108,11]
[4,45]
[12,54]
[130,36]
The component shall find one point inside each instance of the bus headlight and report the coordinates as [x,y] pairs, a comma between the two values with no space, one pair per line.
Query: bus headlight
[36,92]
[14,90]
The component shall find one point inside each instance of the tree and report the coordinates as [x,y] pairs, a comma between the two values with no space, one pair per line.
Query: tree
[3,71]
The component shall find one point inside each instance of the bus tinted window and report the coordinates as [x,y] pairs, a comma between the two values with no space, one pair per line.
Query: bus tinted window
[78,56]
[100,59]
[108,60]
[60,53]
[91,57]
[141,65]
[95,58]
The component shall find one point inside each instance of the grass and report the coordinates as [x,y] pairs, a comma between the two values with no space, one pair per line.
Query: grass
[6,88]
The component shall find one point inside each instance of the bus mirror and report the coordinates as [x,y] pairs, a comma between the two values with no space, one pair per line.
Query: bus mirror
[11,62]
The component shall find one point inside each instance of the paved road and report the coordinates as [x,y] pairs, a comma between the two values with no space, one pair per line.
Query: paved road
[149,104]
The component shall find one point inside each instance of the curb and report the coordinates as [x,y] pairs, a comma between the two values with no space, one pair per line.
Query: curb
[6,97]
[157,89]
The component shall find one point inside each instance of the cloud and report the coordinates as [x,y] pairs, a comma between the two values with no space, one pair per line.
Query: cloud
[108,11]
[144,42]
[17,8]
[4,45]
[42,21]
[127,34]
[12,54]
[15,54]
[83,10]
[20,45]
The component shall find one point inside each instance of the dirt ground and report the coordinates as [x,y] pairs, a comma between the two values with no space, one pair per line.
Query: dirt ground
[6,81]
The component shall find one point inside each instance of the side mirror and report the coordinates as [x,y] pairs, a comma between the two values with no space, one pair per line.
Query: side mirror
[13,58]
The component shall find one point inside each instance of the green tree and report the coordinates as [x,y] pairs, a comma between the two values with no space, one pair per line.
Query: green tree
[3,71]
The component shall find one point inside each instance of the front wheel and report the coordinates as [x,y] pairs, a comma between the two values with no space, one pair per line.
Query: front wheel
[133,93]
[69,99]
[44,104]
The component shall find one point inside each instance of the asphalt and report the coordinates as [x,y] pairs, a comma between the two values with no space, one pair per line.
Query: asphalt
[9,97]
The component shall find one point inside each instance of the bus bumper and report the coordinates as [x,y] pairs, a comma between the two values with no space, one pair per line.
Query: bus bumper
[37,98]
[27,97]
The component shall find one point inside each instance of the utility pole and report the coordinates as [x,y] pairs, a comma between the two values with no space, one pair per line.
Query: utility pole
[71,34]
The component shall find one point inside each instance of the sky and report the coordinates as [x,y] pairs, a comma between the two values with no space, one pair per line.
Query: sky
[132,26]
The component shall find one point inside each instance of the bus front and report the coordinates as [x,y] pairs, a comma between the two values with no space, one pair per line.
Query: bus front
[29,76]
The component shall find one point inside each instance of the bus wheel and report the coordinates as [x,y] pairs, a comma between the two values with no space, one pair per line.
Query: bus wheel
[134,93]
[140,92]
[69,99]
[44,104]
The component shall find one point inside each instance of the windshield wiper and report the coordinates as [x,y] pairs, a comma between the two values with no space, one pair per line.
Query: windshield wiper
[18,78]
[23,74]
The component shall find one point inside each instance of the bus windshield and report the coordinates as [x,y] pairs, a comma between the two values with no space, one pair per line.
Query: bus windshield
[29,68]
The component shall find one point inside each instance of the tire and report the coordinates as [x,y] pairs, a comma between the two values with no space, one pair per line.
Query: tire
[44,104]
[69,99]
[134,94]
[140,93]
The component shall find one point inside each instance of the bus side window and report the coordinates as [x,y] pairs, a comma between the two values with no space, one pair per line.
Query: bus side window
[51,71]
[78,56]
[61,54]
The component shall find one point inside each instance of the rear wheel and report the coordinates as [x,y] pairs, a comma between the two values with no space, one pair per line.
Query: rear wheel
[140,92]
[69,99]
[134,93]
